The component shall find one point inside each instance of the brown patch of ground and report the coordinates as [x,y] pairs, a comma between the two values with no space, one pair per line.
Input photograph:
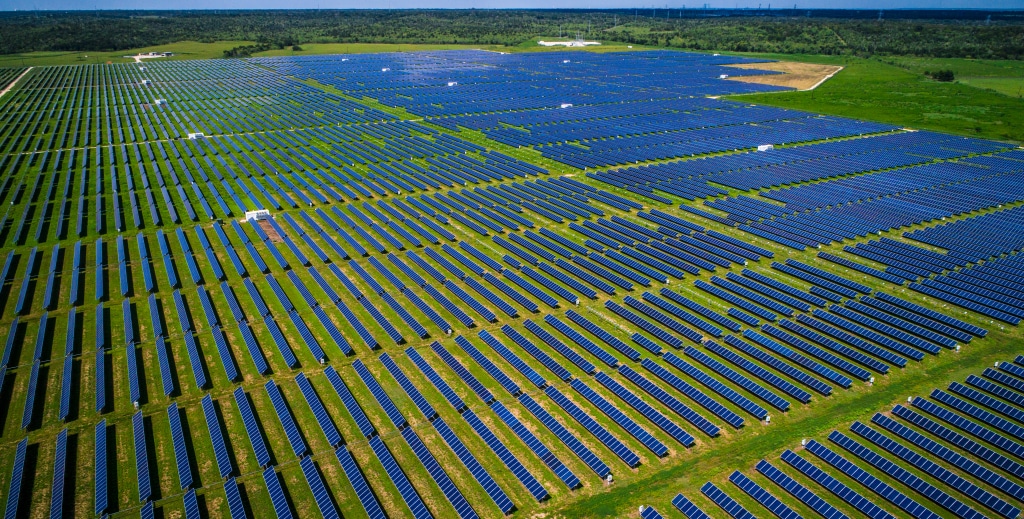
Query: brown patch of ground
[270,230]
[801,76]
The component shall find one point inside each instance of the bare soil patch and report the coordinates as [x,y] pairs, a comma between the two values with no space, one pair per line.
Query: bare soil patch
[801,76]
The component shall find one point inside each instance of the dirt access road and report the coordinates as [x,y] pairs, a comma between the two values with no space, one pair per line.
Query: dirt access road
[15,82]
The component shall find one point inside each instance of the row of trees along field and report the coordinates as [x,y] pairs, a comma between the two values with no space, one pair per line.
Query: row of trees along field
[962,34]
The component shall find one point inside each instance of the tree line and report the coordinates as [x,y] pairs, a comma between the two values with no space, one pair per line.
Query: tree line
[1001,37]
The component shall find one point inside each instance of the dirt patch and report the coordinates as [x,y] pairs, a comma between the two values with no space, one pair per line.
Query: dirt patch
[802,76]
[270,230]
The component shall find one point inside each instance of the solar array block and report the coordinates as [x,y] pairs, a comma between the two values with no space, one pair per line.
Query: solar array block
[599,431]
[506,456]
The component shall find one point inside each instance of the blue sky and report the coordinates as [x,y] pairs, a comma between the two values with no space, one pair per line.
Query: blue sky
[489,4]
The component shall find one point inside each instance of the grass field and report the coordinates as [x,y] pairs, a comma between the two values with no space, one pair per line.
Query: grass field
[876,91]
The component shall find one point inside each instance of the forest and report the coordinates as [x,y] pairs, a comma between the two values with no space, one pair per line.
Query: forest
[939,34]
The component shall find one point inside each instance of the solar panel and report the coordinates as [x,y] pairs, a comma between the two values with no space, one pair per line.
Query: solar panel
[802,493]
[902,475]
[438,474]
[439,383]
[738,379]
[353,407]
[284,415]
[645,409]
[836,487]
[359,484]
[693,393]
[146,512]
[30,395]
[728,504]
[690,510]
[617,416]
[874,484]
[220,450]
[319,411]
[669,401]
[485,362]
[141,457]
[252,428]
[599,431]
[191,505]
[938,472]
[506,456]
[59,465]
[428,410]
[394,472]
[17,475]
[962,462]
[100,490]
[378,393]
[235,505]
[277,497]
[762,496]
[316,486]
[648,512]
[180,449]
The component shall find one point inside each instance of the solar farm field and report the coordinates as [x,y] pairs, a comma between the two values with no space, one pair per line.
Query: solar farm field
[467,283]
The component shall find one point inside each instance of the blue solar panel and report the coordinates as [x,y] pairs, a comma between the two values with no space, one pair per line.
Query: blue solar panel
[284,415]
[252,428]
[407,385]
[235,505]
[17,475]
[669,401]
[59,465]
[693,393]
[349,401]
[602,434]
[394,472]
[628,424]
[962,462]
[438,474]
[762,496]
[874,484]
[319,411]
[277,497]
[378,393]
[728,504]
[802,493]
[141,457]
[180,449]
[220,450]
[902,475]
[938,472]
[316,486]
[836,487]
[359,484]
[690,510]
[191,505]
[758,390]
[506,456]
[100,490]
[30,395]
[602,334]
[645,409]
